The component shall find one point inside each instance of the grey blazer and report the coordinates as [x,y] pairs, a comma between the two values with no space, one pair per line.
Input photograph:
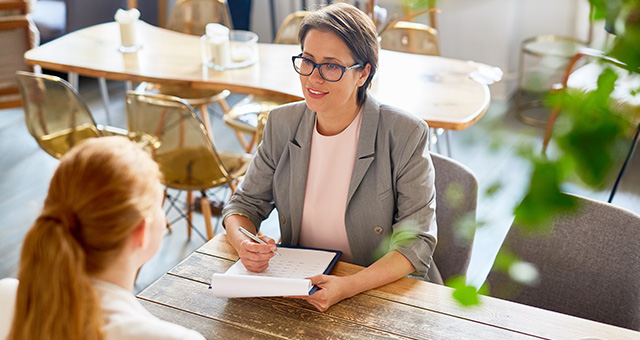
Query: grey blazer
[392,181]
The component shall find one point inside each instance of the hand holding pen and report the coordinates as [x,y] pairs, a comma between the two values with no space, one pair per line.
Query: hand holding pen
[255,238]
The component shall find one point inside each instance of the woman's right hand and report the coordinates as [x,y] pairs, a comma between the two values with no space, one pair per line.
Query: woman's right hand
[254,256]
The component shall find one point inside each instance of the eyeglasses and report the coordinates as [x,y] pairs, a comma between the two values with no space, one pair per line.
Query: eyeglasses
[328,71]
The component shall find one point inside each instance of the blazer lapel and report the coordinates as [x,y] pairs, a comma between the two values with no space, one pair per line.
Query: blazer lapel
[299,150]
[366,144]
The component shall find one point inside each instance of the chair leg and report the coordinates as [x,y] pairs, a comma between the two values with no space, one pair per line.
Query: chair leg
[189,213]
[166,220]
[632,150]
[206,213]
[104,92]
[206,120]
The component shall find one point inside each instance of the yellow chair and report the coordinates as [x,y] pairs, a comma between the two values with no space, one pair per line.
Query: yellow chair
[186,155]
[55,114]
[192,16]
[410,37]
[288,31]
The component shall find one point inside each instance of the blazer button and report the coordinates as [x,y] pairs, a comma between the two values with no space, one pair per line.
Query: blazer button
[282,219]
[378,230]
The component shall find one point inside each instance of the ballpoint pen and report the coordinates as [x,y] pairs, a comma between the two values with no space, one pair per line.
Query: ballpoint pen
[254,237]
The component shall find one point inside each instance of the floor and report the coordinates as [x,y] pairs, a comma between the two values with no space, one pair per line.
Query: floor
[489,148]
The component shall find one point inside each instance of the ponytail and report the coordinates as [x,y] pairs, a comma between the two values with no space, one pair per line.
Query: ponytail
[101,191]
[55,295]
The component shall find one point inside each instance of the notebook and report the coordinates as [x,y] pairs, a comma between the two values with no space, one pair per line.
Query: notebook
[286,275]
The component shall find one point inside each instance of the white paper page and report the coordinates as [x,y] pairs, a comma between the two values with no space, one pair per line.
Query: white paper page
[284,277]
[238,286]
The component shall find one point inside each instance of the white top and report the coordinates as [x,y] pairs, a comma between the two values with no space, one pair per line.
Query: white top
[325,199]
[124,316]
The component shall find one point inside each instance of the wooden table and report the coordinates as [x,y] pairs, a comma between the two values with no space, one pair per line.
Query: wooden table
[405,309]
[438,90]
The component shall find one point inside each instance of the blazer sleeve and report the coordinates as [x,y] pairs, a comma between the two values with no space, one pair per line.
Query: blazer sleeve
[415,200]
[254,196]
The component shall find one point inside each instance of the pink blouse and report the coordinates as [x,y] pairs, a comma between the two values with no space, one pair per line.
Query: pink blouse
[330,166]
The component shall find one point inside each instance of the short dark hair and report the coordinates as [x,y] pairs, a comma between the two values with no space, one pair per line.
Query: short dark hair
[354,28]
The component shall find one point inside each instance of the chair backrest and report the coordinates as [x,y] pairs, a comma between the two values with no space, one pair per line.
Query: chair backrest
[288,32]
[55,114]
[410,37]
[18,31]
[589,265]
[182,148]
[192,16]
[456,202]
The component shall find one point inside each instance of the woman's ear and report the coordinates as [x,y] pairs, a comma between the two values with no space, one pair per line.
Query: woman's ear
[364,74]
[141,234]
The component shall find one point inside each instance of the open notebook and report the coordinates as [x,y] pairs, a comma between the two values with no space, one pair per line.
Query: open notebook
[286,275]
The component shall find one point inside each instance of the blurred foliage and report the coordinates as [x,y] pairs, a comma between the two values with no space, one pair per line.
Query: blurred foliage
[403,234]
[591,133]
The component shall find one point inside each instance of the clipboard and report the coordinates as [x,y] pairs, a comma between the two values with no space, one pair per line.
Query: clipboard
[284,277]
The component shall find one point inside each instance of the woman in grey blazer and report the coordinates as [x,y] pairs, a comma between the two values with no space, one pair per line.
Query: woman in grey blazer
[390,191]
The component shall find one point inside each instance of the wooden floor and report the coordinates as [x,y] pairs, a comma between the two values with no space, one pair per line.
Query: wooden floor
[25,171]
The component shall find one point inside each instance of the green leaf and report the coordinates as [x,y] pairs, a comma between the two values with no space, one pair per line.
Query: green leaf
[464,294]
[544,197]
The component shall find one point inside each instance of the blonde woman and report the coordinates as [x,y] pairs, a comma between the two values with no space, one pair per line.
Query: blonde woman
[102,220]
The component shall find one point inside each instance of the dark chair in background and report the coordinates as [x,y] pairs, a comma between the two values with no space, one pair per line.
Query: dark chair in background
[588,264]
[456,202]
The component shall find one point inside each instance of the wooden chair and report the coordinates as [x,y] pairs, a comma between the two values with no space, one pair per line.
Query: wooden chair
[186,155]
[55,114]
[19,34]
[588,264]
[456,202]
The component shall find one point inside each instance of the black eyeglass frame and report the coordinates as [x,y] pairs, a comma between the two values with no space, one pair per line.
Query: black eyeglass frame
[318,66]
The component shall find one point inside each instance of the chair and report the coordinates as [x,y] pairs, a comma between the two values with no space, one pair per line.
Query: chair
[410,37]
[186,155]
[55,114]
[588,264]
[534,80]
[288,31]
[192,16]
[456,201]
[18,31]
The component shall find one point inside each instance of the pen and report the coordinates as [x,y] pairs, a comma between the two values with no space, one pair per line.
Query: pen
[254,237]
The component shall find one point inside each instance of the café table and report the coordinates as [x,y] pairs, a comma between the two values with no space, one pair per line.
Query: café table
[405,309]
[447,93]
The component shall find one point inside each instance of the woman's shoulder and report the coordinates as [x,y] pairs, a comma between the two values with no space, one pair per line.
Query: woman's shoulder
[288,112]
[8,292]
[137,329]
[397,120]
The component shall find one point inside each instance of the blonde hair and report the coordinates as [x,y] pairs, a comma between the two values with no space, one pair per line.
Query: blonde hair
[101,191]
